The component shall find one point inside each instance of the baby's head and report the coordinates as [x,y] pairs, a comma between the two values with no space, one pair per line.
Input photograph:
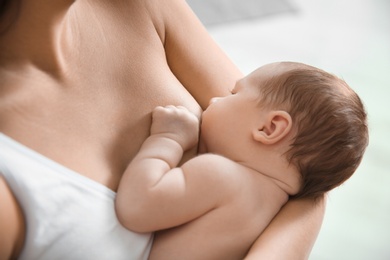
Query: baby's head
[329,122]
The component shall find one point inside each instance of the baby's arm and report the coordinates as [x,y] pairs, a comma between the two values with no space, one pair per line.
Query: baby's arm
[154,193]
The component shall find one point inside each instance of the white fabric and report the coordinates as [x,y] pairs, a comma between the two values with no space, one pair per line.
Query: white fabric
[68,216]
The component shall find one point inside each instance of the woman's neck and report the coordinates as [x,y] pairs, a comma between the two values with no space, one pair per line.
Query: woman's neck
[33,34]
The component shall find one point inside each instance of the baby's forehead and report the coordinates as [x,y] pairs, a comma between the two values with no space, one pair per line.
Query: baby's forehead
[271,70]
[285,66]
[276,68]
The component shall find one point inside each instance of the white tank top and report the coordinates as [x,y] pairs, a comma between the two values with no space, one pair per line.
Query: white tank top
[68,216]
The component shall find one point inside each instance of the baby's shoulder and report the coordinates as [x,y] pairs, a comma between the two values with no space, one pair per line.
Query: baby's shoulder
[217,162]
[217,168]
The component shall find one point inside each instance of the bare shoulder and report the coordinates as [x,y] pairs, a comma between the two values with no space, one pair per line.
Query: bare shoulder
[214,159]
[232,179]
[213,166]
[12,227]
[236,182]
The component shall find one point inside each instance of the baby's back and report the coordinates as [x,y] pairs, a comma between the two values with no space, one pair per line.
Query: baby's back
[227,231]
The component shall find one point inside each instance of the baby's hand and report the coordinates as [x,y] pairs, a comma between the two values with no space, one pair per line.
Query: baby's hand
[177,123]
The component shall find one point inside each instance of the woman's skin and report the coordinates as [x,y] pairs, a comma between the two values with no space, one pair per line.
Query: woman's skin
[78,80]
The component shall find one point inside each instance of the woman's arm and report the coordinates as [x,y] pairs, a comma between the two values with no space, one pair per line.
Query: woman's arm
[192,55]
[205,70]
[292,233]
[11,224]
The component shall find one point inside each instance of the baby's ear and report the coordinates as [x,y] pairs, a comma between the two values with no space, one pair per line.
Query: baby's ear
[275,126]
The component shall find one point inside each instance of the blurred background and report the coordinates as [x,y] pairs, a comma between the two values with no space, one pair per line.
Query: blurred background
[349,38]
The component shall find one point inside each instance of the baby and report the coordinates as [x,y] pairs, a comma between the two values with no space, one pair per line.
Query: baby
[287,130]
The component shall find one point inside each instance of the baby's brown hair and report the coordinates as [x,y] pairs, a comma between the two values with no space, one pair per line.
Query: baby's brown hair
[330,123]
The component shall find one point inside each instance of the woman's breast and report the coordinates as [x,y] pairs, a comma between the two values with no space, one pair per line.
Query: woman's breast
[93,123]
[95,115]
[114,112]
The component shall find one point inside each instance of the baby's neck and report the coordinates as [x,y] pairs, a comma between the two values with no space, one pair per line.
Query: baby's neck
[283,174]
[268,162]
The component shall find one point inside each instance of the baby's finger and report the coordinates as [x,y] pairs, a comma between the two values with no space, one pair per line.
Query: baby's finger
[182,108]
[158,108]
